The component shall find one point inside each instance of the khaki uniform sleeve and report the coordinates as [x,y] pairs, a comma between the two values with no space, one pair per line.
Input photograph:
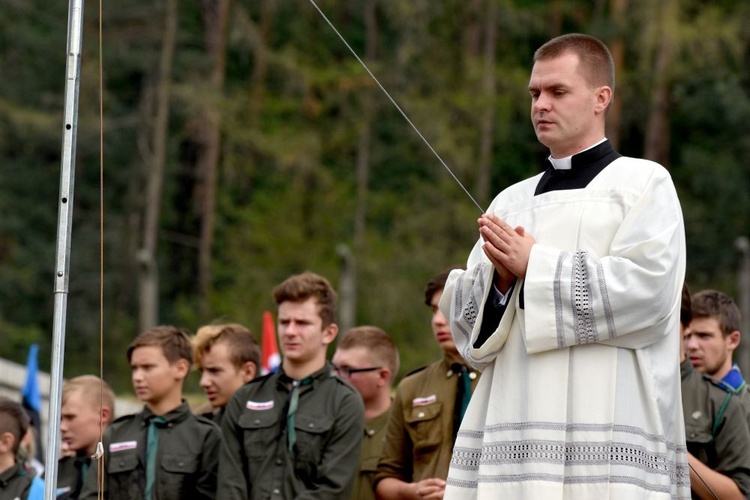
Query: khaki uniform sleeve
[395,461]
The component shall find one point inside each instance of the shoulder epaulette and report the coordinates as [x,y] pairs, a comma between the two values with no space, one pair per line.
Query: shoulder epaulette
[125,418]
[421,368]
[260,378]
[204,419]
[342,382]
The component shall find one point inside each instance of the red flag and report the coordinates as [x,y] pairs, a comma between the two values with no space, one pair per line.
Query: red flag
[269,351]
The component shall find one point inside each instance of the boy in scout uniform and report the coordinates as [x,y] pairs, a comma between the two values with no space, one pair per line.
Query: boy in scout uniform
[296,433]
[165,452]
[426,416]
[717,436]
[367,358]
[228,357]
[85,401]
[713,337]
[15,482]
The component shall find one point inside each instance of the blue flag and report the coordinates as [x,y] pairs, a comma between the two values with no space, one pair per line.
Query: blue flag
[32,397]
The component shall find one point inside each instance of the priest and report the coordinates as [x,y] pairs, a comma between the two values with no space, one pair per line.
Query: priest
[570,305]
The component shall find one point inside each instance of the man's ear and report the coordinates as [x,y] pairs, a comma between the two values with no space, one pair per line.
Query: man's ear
[248,370]
[329,333]
[384,376]
[181,367]
[6,442]
[733,340]
[106,415]
[603,98]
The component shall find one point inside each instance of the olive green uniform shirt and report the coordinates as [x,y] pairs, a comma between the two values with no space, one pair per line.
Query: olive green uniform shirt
[372,447]
[715,427]
[15,483]
[744,395]
[419,437]
[71,473]
[256,462]
[187,458]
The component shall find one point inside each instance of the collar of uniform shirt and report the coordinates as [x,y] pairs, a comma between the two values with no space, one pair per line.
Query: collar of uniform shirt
[567,162]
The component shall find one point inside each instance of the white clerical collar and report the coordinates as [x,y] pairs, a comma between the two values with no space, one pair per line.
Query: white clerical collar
[567,162]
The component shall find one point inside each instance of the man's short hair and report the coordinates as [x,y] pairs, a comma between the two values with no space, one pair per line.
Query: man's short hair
[300,287]
[594,58]
[686,307]
[174,342]
[717,305]
[93,389]
[376,341]
[13,419]
[242,346]
[436,284]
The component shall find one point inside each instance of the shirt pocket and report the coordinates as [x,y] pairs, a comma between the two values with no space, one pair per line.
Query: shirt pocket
[312,433]
[123,462]
[123,475]
[179,464]
[369,465]
[423,423]
[178,475]
[259,432]
[700,443]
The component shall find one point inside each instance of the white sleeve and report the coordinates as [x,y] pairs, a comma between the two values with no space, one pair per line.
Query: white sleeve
[626,298]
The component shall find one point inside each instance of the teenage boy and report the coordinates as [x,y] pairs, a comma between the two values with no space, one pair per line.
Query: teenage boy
[427,412]
[164,452]
[228,356]
[15,481]
[717,437]
[295,433]
[712,339]
[87,402]
[367,358]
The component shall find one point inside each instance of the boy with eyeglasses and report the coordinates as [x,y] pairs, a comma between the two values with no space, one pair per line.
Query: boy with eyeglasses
[367,358]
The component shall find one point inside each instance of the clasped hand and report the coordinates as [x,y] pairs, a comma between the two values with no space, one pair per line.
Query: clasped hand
[507,248]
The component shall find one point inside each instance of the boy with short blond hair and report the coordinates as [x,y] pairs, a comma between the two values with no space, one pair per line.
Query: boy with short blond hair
[164,452]
[228,357]
[15,481]
[88,407]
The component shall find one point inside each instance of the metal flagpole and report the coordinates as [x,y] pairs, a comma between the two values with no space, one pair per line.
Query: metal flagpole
[64,226]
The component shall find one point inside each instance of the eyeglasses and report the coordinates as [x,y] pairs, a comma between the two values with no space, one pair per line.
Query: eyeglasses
[347,371]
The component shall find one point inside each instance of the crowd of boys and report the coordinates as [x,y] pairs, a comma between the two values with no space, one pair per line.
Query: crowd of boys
[320,429]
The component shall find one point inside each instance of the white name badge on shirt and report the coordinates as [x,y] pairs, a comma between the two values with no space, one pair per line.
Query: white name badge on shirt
[259,405]
[424,401]
[124,445]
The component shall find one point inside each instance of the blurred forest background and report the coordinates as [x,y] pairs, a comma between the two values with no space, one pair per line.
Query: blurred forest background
[244,143]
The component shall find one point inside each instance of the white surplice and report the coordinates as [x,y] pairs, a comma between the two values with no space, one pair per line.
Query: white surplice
[580,395]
